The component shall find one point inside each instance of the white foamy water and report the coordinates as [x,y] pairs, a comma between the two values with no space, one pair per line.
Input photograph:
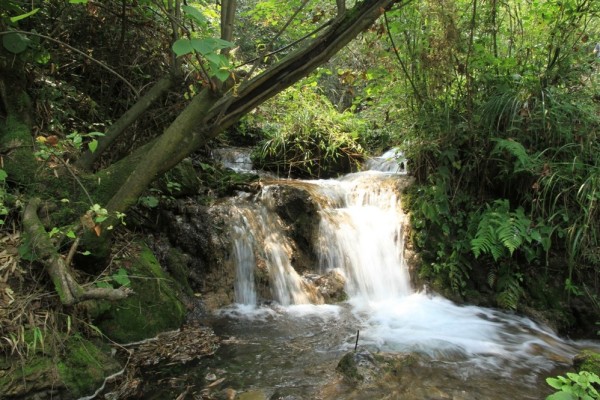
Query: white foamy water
[361,234]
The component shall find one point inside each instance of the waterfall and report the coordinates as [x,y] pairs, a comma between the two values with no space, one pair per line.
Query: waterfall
[363,237]
[258,231]
[360,234]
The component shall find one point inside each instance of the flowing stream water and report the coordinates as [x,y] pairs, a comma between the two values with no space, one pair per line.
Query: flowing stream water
[289,348]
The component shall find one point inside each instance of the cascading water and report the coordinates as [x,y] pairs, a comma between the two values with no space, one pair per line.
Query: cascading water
[361,235]
[257,229]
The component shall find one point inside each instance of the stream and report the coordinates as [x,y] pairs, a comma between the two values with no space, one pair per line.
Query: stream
[289,347]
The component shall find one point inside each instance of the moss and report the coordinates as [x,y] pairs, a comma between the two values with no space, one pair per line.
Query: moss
[84,366]
[347,366]
[79,368]
[177,263]
[16,140]
[152,308]
[587,360]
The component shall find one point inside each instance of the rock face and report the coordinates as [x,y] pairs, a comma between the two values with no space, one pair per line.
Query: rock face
[197,244]
[299,212]
[198,249]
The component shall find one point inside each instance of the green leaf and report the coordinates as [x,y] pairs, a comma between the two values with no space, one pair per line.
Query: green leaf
[93,145]
[53,231]
[149,201]
[3,175]
[78,1]
[209,45]
[182,47]
[15,42]
[195,14]
[71,234]
[561,396]
[105,285]
[23,16]
[221,74]
[121,277]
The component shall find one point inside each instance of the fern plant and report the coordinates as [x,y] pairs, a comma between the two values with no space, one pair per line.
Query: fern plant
[499,230]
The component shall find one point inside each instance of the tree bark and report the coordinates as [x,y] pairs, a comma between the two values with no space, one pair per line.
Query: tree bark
[207,115]
[87,160]
[68,289]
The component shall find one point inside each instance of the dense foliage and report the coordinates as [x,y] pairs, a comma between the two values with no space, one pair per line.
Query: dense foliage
[495,105]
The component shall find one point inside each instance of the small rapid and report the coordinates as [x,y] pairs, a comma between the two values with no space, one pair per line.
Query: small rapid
[361,236]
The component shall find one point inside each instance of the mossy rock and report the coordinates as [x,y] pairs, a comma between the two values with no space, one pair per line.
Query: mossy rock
[587,360]
[154,307]
[177,263]
[78,369]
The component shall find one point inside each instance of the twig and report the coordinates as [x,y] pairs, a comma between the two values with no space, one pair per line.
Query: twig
[100,63]
[356,344]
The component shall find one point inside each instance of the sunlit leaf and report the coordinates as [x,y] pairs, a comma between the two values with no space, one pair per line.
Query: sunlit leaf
[23,16]
[93,145]
[194,14]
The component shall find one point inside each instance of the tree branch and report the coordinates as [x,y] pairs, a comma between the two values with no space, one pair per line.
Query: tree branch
[68,289]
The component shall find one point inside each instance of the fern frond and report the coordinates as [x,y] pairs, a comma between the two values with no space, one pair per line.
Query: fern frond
[510,236]
[524,162]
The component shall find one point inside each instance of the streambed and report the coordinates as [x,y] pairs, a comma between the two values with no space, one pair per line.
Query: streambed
[420,346]
[292,353]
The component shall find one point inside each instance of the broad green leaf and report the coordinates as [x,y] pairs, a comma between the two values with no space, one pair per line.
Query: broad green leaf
[210,45]
[3,175]
[93,145]
[23,16]
[15,42]
[561,396]
[53,231]
[195,14]
[182,47]
[217,59]
[78,1]
[71,234]
[221,74]
[149,201]
[105,285]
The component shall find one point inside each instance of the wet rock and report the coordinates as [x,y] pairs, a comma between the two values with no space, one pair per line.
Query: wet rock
[296,207]
[359,367]
[330,286]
